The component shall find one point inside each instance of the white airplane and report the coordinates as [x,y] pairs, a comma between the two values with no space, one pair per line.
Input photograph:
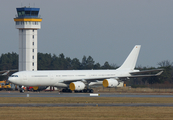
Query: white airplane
[3,73]
[6,72]
[80,80]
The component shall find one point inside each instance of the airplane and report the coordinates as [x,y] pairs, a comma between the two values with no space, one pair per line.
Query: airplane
[6,72]
[80,80]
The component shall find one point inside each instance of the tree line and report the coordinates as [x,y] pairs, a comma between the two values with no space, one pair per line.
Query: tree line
[53,62]
[47,61]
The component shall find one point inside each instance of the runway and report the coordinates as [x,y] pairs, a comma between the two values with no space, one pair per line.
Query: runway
[57,94]
[86,104]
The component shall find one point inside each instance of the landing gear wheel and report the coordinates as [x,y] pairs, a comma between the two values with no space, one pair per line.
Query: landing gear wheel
[32,90]
[22,91]
[66,90]
[88,90]
[84,90]
[91,91]
[63,90]
[76,91]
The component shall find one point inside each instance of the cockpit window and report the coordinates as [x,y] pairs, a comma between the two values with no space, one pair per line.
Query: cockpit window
[14,75]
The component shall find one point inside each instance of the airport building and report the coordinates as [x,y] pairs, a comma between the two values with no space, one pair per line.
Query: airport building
[28,22]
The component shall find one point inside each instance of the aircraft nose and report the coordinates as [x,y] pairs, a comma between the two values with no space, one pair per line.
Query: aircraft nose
[10,79]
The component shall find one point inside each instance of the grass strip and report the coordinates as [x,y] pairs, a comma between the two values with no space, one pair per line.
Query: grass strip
[86,113]
[84,100]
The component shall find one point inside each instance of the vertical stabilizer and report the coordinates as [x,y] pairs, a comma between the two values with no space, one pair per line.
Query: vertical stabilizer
[130,62]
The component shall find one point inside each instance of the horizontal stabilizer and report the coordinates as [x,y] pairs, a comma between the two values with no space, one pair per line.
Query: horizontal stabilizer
[146,71]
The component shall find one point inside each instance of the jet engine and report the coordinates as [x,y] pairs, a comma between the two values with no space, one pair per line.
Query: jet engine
[77,86]
[110,83]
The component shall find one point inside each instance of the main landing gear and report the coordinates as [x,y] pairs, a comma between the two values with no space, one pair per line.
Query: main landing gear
[66,90]
[88,91]
[76,91]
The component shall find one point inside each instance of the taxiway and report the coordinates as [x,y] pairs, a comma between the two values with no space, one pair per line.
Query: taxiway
[57,94]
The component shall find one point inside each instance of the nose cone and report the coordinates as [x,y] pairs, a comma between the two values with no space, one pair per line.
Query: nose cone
[14,78]
[11,79]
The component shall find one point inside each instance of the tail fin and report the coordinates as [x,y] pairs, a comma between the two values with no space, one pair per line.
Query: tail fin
[130,62]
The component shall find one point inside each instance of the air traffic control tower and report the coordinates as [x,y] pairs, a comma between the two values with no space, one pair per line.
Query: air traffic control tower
[27,21]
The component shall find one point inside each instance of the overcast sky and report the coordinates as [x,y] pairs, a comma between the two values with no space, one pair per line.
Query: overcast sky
[107,30]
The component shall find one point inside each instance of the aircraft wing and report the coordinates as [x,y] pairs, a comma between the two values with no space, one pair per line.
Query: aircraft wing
[5,72]
[132,75]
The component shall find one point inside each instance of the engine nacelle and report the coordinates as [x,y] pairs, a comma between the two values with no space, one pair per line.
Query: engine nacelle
[110,83]
[77,86]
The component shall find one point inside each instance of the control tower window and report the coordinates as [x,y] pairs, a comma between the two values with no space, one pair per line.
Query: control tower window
[27,12]
[19,13]
[23,12]
[34,13]
[17,23]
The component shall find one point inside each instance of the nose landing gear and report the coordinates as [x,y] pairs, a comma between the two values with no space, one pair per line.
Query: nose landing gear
[21,89]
